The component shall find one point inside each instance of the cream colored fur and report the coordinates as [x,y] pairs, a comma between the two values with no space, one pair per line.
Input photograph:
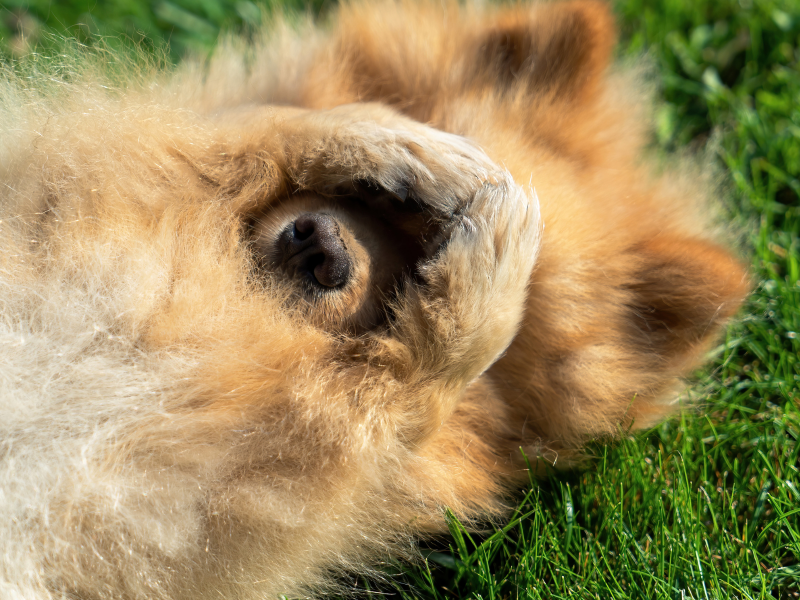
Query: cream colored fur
[170,428]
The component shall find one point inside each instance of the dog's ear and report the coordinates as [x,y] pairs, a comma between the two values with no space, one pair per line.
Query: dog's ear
[402,54]
[682,291]
[559,49]
[628,336]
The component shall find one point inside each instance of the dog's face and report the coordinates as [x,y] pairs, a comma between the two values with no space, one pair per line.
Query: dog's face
[631,285]
[342,260]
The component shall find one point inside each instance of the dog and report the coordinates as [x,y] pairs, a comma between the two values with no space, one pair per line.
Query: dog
[264,318]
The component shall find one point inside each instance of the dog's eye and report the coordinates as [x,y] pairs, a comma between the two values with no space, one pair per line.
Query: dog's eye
[311,248]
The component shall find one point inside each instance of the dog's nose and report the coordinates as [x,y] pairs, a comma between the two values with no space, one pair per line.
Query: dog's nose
[313,247]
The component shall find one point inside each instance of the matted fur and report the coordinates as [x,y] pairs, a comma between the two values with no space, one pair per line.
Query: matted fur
[175,424]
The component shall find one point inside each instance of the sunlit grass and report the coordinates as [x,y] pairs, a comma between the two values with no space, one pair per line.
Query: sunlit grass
[708,504]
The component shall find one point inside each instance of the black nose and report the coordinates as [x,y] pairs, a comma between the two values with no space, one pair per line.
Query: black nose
[311,247]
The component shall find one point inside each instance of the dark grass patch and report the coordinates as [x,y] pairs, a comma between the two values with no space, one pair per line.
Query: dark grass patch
[171,26]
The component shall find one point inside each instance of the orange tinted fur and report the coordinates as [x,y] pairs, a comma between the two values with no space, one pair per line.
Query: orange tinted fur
[630,287]
[179,421]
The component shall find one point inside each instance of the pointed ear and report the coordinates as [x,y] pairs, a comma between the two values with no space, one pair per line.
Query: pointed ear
[683,291]
[561,48]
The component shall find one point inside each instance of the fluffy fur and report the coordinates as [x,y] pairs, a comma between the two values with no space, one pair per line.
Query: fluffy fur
[180,420]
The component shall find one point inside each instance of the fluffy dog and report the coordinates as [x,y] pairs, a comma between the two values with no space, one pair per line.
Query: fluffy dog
[261,324]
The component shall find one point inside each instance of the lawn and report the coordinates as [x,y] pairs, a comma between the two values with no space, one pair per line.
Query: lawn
[708,504]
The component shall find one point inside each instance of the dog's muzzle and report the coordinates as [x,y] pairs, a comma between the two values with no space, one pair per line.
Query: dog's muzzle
[312,248]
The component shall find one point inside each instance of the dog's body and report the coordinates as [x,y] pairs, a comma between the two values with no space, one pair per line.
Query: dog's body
[192,407]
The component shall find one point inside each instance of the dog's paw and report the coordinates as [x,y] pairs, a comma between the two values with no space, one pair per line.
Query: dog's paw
[466,308]
[472,294]
[343,151]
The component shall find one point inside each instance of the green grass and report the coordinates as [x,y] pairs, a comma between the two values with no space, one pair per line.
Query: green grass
[708,504]
[178,25]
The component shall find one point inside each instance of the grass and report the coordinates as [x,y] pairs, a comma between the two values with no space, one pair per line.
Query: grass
[708,504]
[180,26]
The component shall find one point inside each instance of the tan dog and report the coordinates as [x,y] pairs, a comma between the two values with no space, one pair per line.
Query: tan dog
[245,347]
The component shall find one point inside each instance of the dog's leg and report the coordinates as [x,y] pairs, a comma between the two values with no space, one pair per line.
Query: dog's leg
[331,151]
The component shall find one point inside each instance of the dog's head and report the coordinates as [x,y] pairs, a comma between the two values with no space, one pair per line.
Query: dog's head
[632,286]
